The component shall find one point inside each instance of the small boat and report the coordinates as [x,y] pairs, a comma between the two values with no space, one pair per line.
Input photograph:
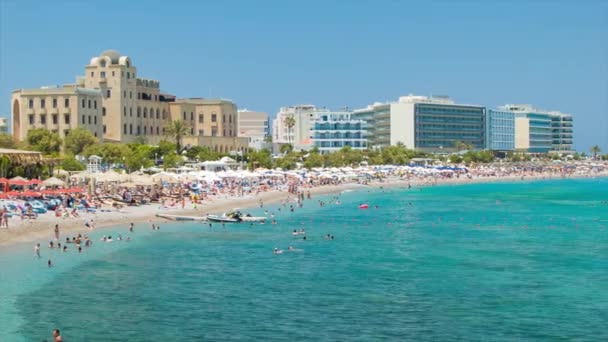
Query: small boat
[216,218]
[364,206]
[253,218]
[182,217]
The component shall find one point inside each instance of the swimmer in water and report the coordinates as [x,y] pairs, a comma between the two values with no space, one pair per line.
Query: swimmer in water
[65,249]
[79,249]
[109,239]
[277,251]
[49,263]
[131,227]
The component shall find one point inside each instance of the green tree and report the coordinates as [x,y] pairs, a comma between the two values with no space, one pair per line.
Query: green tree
[45,141]
[315,159]
[257,159]
[7,141]
[172,159]
[595,150]
[177,130]
[290,121]
[455,159]
[286,148]
[112,153]
[69,163]
[79,139]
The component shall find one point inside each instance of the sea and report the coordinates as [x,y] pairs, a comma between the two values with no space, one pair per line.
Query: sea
[518,261]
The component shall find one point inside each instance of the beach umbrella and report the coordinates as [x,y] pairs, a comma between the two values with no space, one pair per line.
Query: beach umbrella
[109,176]
[53,181]
[35,181]
[29,193]
[18,181]
[165,177]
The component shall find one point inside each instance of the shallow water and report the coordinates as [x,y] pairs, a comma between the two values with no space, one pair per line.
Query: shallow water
[502,261]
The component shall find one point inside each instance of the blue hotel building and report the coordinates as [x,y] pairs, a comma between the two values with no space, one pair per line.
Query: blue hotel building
[500,130]
[331,131]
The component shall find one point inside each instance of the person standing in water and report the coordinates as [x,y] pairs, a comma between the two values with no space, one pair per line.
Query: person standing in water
[131,227]
[57,232]
[37,250]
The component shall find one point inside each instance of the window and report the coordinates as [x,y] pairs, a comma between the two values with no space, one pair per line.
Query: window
[138,130]
[138,111]
[124,129]
[95,134]
[128,75]
[213,131]
[89,104]
[31,119]
[83,120]
[66,103]
[89,119]
[83,103]
[145,112]
[130,94]
[42,103]
[224,133]
[92,74]
[103,63]
[124,111]
[201,118]
[131,111]
[102,74]
[124,94]
[213,117]
[157,130]
[43,119]
[157,113]
[191,116]
[31,104]
[95,120]
[192,131]
[108,93]
[104,129]
[223,118]
[66,119]
[95,104]
[54,103]
[184,116]
[164,114]
[130,128]
[151,130]
[145,130]
[230,118]
[55,119]
[113,74]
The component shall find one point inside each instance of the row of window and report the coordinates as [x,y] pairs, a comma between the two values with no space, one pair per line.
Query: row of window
[54,118]
[144,112]
[102,74]
[66,103]
[94,120]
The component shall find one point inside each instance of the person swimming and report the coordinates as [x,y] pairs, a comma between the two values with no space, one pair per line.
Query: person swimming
[277,251]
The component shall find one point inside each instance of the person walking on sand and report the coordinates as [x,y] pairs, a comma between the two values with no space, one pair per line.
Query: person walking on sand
[57,232]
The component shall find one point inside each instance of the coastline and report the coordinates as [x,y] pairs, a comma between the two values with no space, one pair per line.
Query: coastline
[40,229]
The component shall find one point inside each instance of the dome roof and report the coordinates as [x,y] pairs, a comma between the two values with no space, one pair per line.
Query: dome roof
[112,54]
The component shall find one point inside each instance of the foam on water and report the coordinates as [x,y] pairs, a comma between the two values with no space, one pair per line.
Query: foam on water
[499,261]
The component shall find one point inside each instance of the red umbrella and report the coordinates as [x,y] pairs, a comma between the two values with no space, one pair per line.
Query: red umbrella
[12,193]
[74,190]
[35,181]
[29,193]
[50,191]
[3,180]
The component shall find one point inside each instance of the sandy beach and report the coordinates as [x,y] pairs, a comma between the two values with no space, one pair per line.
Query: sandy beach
[41,229]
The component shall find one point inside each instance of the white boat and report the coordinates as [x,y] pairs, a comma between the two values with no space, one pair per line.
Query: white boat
[182,217]
[216,218]
[253,218]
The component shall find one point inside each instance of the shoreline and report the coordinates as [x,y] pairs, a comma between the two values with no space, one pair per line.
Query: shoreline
[27,231]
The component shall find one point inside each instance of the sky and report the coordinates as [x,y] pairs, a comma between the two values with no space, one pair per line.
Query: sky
[267,54]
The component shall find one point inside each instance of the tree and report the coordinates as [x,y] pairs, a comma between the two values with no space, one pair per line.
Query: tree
[462,145]
[286,148]
[171,159]
[261,158]
[43,140]
[177,130]
[289,121]
[595,150]
[111,153]
[7,141]
[79,139]
[69,163]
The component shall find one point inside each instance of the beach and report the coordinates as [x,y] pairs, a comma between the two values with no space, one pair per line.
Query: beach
[41,228]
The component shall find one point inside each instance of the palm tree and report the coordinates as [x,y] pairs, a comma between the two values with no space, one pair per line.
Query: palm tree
[289,121]
[176,130]
[595,150]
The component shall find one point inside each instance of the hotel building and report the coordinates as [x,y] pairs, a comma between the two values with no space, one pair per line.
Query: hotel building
[431,124]
[332,131]
[299,134]
[58,109]
[500,130]
[253,126]
[539,131]
[112,102]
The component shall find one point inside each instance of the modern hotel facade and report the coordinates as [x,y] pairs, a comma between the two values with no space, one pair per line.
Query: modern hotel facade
[500,131]
[253,126]
[332,131]
[299,134]
[112,102]
[431,124]
[539,131]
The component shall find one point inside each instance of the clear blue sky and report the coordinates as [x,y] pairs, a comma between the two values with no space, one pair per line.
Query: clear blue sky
[267,54]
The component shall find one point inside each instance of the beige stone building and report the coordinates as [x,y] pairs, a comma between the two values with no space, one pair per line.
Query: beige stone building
[115,104]
[58,109]
[131,106]
[254,126]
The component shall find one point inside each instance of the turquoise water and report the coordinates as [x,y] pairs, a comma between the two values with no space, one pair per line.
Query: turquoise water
[496,262]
